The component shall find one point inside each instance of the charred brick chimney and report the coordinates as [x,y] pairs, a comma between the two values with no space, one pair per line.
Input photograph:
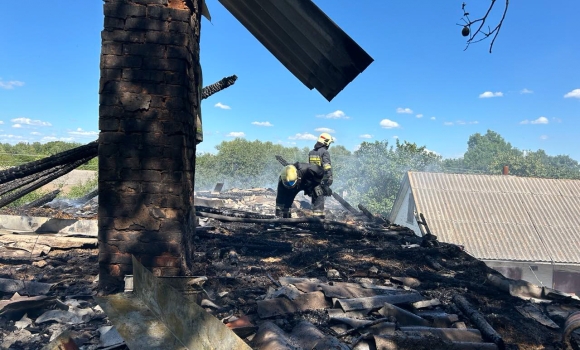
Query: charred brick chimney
[149,95]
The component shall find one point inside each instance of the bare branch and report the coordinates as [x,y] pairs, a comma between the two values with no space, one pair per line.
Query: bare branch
[480,34]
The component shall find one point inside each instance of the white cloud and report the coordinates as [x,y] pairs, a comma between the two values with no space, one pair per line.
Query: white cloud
[432,118]
[81,132]
[543,137]
[540,120]
[419,115]
[338,114]
[1,122]
[222,106]
[53,138]
[389,124]
[10,136]
[489,94]
[262,123]
[35,133]
[366,136]
[356,148]
[526,91]
[16,126]
[573,94]
[432,152]
[28,121]
[404,110]
[236,134]
[9,85]
[305,136]
[461,122]
[328,130]
[395,137]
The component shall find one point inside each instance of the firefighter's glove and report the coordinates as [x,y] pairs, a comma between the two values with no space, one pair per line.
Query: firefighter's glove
[328,181]
[318,191]
[327,191]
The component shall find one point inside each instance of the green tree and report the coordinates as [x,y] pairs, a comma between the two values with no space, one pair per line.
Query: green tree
[482,150]
[374,175]
[535,164]
[244,164]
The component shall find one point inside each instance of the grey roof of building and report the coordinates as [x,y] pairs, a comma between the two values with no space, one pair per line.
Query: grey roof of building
[308,43]
[499,217]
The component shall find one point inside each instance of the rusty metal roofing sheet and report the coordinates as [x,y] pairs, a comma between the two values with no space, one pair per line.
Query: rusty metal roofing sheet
[498,217]
[308,43]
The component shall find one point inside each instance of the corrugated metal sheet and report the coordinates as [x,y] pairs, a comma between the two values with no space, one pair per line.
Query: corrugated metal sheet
[499,217]
[304,40]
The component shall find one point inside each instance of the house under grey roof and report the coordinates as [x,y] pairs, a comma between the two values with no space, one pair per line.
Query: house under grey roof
[499,217]
[308,43]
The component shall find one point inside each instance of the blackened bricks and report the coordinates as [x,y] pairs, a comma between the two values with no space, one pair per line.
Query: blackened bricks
[168,14]
[123,9]
[149,49]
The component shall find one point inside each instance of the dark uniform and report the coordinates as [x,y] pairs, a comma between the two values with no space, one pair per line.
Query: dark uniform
[309,177]
[320,156]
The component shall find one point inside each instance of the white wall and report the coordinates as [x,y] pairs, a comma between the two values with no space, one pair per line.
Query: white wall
[400,217]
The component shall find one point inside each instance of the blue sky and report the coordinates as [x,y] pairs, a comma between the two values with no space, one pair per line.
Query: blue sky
[422,86]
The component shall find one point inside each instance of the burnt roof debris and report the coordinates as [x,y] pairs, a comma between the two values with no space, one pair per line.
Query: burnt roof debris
[305,40]
[304,284]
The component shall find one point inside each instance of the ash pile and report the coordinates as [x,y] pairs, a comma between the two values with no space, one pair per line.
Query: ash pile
[355,281]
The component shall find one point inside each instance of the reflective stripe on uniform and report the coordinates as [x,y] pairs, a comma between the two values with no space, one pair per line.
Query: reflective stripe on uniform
[326,166]
[312,159]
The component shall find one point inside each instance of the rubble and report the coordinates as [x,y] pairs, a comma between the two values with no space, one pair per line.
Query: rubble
[269,282]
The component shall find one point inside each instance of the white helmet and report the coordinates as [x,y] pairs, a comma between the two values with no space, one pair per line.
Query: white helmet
[325,139]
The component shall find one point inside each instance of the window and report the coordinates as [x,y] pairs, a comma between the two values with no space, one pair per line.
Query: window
[411,209]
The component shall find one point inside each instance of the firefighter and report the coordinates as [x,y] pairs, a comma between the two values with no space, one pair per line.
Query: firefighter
[320,156]
[300,177]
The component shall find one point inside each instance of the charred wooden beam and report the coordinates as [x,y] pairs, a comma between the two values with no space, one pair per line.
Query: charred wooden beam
[373,217]
[479,321]
[87,197]
[218,86]
[230,212]
[15,184]
[345,204]
[89,150]
[235,195]
[11,197]
[328,225]
[47,198]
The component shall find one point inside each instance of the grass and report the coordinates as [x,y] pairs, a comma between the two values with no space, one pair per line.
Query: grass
[76,191]
[80,190]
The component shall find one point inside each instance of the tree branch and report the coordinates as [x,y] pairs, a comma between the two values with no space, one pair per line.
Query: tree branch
[481,34]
